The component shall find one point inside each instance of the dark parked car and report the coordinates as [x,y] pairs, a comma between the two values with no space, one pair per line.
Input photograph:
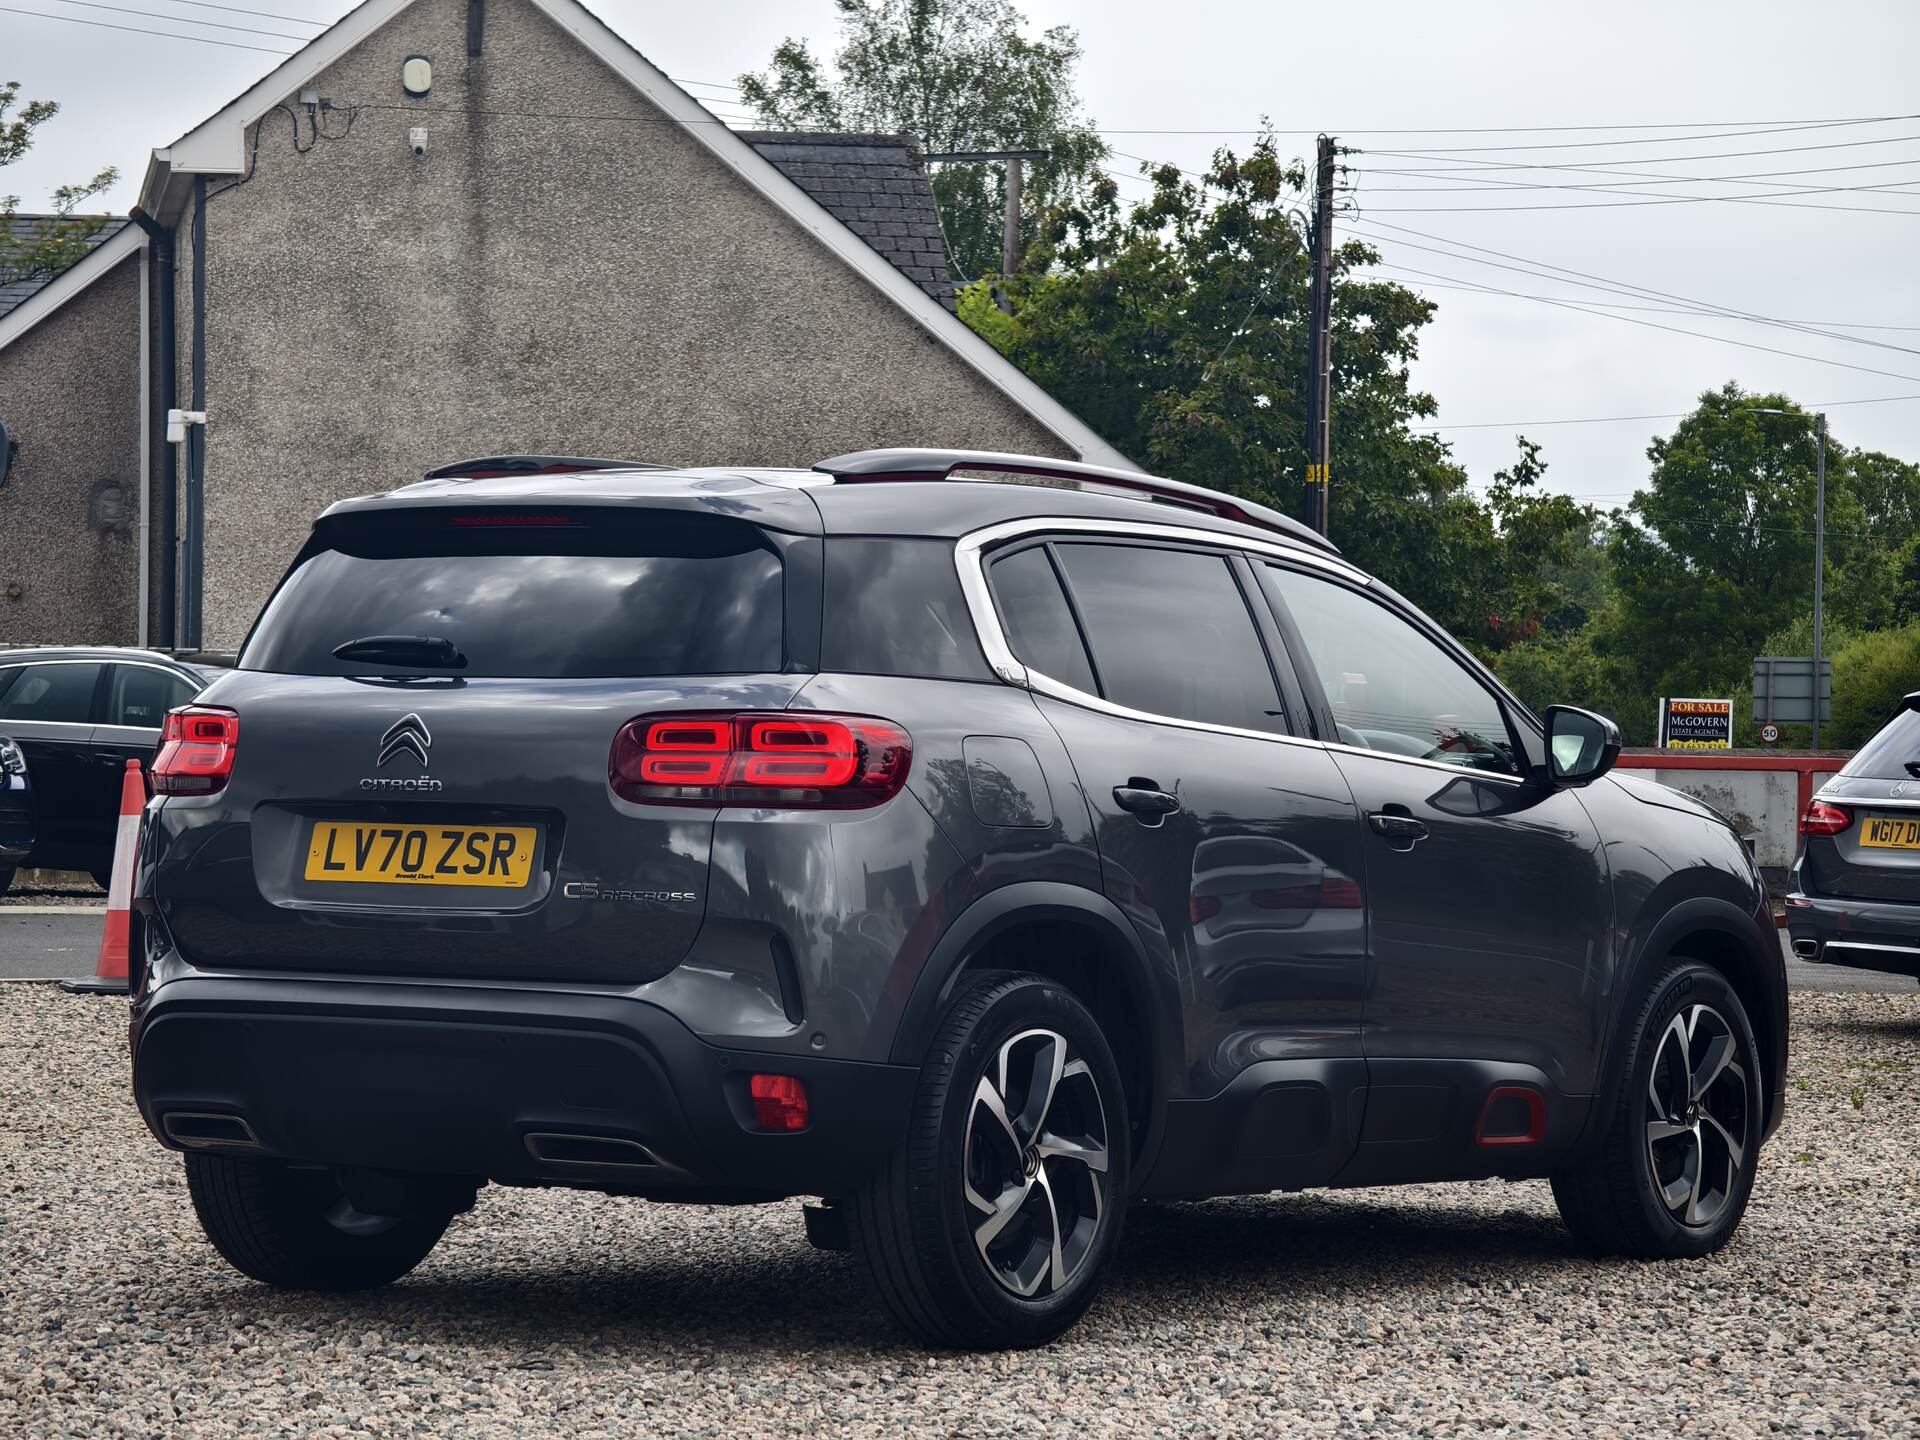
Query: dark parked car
[77,716]
[974,855]
[1856,882]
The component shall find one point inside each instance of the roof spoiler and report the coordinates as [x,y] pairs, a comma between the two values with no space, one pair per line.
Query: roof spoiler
[908,464]
[488,466]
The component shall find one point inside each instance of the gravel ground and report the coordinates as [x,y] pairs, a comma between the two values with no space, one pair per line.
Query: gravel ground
[39,888]
[1433,1310]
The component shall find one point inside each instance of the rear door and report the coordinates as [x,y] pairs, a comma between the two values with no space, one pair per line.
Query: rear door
[134,701]
[1235,853]
[453,815]
[47,708]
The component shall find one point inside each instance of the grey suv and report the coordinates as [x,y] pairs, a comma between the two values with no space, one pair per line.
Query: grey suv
[977,842]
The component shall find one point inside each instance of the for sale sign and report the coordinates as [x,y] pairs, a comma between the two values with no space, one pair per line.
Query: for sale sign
[1696,724]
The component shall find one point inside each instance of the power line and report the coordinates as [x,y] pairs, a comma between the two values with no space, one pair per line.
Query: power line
[1776,201]
[1588,281]
[132,30]
[177,19]
[1660,139]
[1620,419]
[262,14]
[1474,285]
[1461,283]
[1608,166]
[1723,340]
[1626,186]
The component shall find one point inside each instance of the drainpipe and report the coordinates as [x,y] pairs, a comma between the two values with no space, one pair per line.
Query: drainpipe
[163,460]
[191,561]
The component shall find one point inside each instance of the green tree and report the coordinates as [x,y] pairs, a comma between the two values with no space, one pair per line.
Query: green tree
[1717,552]
[960,75]
[1176,327]
[1868,565]
[1870,675]
[51,247]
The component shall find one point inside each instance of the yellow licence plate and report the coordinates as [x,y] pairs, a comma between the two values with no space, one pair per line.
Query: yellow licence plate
[1891,832]
[496,855]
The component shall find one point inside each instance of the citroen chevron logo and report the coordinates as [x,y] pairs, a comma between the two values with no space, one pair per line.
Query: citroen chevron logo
[408,736]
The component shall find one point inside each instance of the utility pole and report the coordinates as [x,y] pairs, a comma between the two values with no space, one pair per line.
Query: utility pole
[1320,319]
[1819,564]
[1010,234]
[1010,231]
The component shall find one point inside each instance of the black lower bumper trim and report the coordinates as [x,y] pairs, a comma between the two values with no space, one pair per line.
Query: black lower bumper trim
[480,1081]
[1860,934]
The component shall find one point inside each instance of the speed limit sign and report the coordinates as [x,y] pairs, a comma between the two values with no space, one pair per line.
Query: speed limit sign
[1770,733]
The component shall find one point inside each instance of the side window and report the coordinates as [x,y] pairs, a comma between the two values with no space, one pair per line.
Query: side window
[51,692]
[1391,688]
[139,695]
[1039,624]
[1171,634]
[894,607]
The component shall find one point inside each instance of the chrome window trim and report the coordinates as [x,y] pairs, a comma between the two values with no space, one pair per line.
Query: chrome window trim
[130,734]
[75,731]
[971,562]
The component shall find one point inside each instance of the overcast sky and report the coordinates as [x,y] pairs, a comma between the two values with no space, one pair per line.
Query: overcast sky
[1374,76]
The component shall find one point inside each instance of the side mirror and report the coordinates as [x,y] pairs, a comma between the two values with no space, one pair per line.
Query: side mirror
[1581,746]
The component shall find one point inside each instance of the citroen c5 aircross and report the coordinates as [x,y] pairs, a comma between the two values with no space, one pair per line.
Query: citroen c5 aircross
[973,842]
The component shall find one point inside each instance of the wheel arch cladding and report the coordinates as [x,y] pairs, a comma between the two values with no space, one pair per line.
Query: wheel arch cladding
[1717,933]
[1080,939]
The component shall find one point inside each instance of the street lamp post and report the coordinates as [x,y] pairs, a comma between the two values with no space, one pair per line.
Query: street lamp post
[1819,548]
[1819,563]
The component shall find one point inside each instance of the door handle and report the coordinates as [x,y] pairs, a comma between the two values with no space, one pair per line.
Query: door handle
[1145,799]
[1402,830]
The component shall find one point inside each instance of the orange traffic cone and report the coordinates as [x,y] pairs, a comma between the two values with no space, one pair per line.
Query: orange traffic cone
[110,975]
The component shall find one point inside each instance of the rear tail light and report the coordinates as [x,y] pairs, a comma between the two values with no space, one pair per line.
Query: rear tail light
[196,751]
[779,1102]
[1824,819]
[791,759]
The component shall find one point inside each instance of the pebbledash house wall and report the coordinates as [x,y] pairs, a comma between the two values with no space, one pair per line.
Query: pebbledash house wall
[70,511]
[565,271]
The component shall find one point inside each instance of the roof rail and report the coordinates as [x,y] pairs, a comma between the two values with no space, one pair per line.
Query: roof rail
[910,464]
[486,466]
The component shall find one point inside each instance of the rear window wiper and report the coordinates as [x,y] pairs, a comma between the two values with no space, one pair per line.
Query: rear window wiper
[434,652]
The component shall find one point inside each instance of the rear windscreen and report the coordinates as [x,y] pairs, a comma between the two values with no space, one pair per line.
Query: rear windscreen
[1893,754]
[549,595]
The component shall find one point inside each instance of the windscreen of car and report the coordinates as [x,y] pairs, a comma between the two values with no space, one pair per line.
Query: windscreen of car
[553,594]
[1893,754]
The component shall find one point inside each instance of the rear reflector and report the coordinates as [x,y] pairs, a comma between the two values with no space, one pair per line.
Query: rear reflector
[1824,819]
[1513,1115]
[793,759]
[779,1102]
[196,751]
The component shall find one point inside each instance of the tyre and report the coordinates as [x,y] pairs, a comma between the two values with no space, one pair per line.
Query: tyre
[992,1223]
[294,1228]
[6,880]
[102,878]
[1670,1175]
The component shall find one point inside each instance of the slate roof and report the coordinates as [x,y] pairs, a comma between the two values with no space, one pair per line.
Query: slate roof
[24,228]
[875,185]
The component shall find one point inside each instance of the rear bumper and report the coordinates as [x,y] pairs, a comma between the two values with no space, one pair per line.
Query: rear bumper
[512,1085]
[1863,934]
